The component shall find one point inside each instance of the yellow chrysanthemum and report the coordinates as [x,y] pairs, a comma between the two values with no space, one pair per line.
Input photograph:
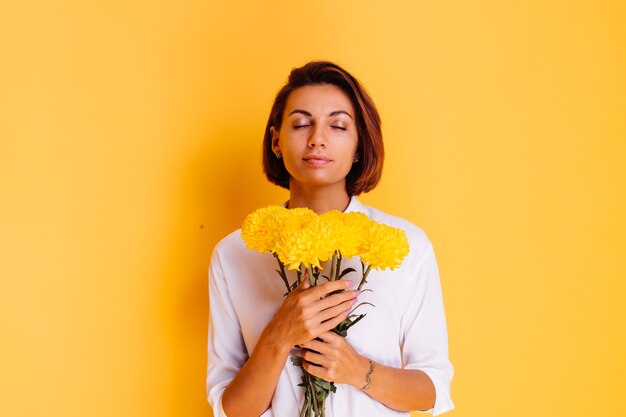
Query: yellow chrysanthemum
[347,230]
[304,239]
[333,225]
[383,246]
[355,225]
[299,236]
[260,228]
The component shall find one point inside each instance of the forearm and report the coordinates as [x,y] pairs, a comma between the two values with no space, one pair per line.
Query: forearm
[399,389]
[304,314]
[250,393]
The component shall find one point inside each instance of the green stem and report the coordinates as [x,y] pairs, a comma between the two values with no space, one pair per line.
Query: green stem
[338,269]
[311,277]
[365,274]
[283,274]
[333,266]
[312,387]
[299,276]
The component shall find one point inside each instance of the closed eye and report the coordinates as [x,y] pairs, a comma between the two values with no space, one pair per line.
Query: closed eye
[300,126]
[339,127]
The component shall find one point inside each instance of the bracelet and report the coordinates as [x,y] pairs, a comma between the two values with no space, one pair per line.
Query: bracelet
[368,376]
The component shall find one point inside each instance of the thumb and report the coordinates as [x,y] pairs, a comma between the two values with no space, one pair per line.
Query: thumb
[305,284]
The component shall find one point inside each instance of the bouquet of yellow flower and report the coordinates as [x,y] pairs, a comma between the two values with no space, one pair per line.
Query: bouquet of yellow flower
[301,240]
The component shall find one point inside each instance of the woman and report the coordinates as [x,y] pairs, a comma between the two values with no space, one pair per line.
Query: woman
[324,144]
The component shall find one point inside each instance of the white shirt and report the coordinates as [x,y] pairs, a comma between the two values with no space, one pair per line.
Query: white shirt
[406,328]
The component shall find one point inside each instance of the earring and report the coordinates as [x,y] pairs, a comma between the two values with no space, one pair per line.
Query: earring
[278,155]
[356,158]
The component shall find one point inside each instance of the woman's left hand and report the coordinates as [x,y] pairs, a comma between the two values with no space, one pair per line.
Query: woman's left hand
[336,360]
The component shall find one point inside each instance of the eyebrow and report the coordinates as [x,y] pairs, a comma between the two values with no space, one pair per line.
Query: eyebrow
[332,113]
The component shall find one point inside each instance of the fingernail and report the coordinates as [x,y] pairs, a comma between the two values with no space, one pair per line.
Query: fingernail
[356,293]
[353,301]
[348,282]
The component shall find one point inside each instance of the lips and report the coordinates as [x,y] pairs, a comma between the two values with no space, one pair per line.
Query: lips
[316,160]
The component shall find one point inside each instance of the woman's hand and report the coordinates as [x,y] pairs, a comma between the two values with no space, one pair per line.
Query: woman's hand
[304,314]
[333,359]
[308,312]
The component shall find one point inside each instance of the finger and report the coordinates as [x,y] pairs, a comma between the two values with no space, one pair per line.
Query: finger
[335,299]
[331,312]
[316,370]
[316,345]
[321,290]
[332,323]
[304,285]
[314,358]
[330,338]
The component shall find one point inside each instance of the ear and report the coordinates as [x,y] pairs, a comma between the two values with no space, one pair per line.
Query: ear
[274,133]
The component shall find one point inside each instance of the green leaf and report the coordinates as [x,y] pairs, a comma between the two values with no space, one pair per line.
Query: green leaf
[335,292]
[345,272]
[322,383]
[360,304]
[355,321]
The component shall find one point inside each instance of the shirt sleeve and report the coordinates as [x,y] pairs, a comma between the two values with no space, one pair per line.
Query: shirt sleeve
[226,349]
[424,334]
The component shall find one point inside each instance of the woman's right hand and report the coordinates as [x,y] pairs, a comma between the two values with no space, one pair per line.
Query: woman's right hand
[303,315]
[308,312]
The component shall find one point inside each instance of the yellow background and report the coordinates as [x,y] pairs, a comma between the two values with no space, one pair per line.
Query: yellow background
[130,144]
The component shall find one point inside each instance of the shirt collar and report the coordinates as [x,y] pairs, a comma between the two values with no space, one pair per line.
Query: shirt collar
[353,205]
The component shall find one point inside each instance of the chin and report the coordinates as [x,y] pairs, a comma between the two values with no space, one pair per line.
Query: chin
[320,182]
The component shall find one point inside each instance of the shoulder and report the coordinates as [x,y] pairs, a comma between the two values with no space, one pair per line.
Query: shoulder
[230,245]
[418,240]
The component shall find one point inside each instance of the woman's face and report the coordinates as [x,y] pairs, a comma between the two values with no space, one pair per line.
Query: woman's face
[318,137]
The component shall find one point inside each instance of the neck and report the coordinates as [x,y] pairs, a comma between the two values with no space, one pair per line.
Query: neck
[319,199]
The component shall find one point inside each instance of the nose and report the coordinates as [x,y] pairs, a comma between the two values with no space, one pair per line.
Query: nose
[318,137]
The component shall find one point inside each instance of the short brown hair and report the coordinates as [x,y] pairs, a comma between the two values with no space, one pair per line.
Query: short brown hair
[365,174]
